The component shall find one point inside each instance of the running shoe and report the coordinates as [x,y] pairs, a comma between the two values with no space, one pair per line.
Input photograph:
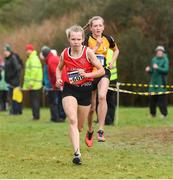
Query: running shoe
[89,138]
[77,159]
[100,136]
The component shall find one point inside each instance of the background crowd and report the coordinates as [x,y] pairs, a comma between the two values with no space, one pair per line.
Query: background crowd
[35,78]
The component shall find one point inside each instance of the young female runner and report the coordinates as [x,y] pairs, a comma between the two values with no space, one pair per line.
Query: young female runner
[79,62]
[99,43]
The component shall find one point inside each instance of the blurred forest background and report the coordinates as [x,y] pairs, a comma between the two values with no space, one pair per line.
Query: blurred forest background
[138,26]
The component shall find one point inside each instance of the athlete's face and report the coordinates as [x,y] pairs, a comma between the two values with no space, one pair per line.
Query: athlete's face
[75,39]
[97,27]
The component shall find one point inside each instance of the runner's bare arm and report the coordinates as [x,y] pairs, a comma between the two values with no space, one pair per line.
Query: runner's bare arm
[114,57]
[59,70]
[94,61]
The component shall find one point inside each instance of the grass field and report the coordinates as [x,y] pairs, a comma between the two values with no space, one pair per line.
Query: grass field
[139,147]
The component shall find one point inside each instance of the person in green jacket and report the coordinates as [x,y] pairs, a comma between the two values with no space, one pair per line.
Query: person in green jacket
[3,86]
[158,70]
[33,78]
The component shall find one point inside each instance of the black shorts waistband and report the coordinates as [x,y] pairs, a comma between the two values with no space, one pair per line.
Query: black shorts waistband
[83,87]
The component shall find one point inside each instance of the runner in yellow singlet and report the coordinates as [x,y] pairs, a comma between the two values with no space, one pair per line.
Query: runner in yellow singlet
[99,43]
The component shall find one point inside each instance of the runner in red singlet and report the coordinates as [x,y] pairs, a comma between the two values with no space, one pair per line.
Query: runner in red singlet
[79,62]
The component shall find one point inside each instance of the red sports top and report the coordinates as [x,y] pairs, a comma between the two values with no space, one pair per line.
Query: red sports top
[73,64]
[52,62]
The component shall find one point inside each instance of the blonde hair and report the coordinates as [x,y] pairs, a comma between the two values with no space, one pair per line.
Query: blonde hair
[90,21]
[75,28]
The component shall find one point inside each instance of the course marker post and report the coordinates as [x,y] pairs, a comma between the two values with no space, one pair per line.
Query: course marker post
[118,99]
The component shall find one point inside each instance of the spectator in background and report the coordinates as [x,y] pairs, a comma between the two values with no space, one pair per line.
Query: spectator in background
[3,86]
[12,77]
[1,65]
[46,82]
[33,78]
[158,70]
[111,95]
[54,95]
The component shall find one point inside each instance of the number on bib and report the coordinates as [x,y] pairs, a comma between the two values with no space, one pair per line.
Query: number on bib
[74,76]
[101,58]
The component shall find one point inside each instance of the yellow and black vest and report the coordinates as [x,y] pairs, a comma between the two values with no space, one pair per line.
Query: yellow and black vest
[113,71]
[101,53]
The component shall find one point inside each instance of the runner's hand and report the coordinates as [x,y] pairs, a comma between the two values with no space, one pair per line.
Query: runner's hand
[110,65]
[99,41]
[82,72]
[59,82]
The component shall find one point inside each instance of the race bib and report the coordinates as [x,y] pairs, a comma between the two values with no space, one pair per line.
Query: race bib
[101,58]
[74,77]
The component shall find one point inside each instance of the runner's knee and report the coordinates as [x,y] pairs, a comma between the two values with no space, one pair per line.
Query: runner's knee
[102,97]
[72,121]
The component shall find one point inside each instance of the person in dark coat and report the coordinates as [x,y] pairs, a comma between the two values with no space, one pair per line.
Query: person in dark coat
[12,77]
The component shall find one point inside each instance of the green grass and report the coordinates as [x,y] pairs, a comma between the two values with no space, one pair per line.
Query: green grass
[138,147]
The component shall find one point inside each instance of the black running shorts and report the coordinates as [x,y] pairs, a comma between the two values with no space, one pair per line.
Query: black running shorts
[97,80]
[82,93]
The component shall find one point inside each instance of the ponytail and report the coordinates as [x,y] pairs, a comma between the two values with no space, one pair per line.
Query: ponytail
[86,26]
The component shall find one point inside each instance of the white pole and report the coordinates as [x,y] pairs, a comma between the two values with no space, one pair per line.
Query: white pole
[117,108]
